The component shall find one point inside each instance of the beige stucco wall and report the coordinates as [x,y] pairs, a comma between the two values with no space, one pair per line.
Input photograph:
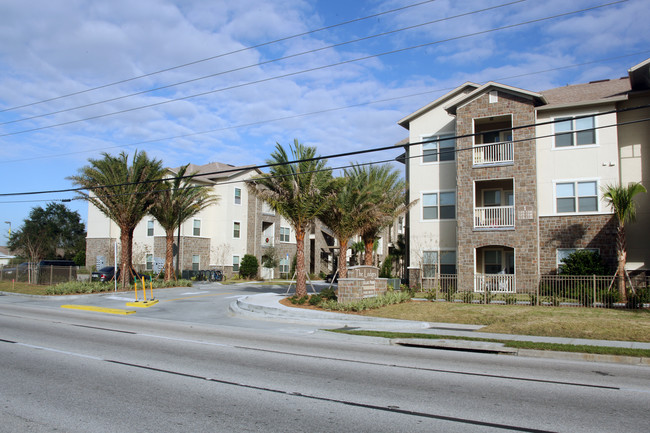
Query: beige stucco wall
[599,162]
[430,235]
[634,145]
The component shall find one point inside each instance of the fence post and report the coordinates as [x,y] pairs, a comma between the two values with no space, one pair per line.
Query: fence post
[539,281]
[594,284]
[51,272]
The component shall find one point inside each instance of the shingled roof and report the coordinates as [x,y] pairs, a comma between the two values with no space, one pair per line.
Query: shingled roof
[589,92]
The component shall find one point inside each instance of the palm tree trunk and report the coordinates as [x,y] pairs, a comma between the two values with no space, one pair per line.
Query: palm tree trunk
[301,277]
[621,254]
[343,252]
[169,254]
[126,237]
[367,259]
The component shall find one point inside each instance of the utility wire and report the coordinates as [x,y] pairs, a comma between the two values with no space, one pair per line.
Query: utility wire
[291,74]
[311,113]
[65,110]
[217,56]
[358,152]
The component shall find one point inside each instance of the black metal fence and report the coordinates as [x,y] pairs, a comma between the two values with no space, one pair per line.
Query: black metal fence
[42,275]
[545,290]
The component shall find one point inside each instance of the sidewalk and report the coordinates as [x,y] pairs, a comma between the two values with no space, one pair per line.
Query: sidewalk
[267,306]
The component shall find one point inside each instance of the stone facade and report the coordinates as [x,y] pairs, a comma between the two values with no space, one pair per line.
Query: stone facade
[523,236]
[577,231]
[362,282]
[100,252]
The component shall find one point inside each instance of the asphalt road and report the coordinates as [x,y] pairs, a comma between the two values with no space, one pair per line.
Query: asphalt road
[65,370]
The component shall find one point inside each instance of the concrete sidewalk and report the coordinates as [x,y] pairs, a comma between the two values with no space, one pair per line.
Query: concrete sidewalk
[267,306]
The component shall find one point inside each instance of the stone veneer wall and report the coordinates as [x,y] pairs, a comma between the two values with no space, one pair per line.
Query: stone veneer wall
[362,283]
[523,238]
[576,231]
[191,246]
[100,247]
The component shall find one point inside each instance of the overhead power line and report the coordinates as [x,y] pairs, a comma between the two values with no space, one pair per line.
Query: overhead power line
[359,152]
[311,113]
[242,68]
[291,74]
[217,56]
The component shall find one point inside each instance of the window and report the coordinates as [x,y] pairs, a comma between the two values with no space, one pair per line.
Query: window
[196,262]
[284,266]
[432,261]
[493,96]
[236,230]
[150,228]
[492,197]
[235,263]
[285,233]
[576,197]
[149,259]
[563,253]
[438,148]
[492,261]
[267,209]
[570,132]
[439,205]
[237,195]
[197,228]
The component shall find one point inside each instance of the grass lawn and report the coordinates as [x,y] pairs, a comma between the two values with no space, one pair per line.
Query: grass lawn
[570,322]
[28,289]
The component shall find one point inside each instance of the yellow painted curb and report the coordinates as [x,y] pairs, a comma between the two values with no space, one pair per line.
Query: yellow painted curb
[142,304]
[98,309]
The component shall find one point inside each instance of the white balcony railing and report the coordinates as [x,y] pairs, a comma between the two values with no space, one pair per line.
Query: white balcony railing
[494,153]
[494,217]
[504,283]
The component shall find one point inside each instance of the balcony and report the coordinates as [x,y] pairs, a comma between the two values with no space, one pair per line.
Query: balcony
[503,283]
[493,153]
[494,217]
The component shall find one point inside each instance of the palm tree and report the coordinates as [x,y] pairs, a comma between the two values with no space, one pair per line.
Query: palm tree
[178,200]
[347,213]
[621,199]
[122,192]
[298,189]
[388,198]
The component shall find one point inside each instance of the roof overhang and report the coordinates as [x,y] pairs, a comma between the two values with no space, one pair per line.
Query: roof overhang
[536,98]
[606,101]
[468,86]
[640,75]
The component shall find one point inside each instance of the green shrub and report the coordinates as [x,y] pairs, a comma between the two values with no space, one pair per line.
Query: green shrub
[298,301]
[582,262]
[249,266]
[510,299]
[368,303]
[386,268]
[315,300]
[468,297]
[636,300]
[328,294]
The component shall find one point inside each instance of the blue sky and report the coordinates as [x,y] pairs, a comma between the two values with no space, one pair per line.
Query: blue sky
[50,49]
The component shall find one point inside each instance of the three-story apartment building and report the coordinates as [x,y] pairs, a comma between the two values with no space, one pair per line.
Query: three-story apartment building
[510,181]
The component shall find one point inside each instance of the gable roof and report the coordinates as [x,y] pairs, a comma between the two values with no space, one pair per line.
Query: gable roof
[213,171]
[640,75]
[595,92]
[466,88]
[537,98]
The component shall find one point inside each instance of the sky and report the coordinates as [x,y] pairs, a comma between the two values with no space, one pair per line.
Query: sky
[195,81]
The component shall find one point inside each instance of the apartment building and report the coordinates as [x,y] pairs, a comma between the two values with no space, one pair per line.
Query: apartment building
[219,236]
[509,181]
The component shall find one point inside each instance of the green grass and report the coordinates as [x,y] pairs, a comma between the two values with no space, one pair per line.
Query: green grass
[600,350]
[80,287]
[569,322]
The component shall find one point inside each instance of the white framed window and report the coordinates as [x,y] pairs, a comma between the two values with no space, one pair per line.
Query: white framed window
[285,234]
[438,262]
[571,132]
[237,195]
[563,253]
[438,205]
[150,228]
[493,96]
[284,266]
[236,230]
[196,262]
[576,196]
[267,209]
[235,263]
[196,228]
[149,259]
[438,148]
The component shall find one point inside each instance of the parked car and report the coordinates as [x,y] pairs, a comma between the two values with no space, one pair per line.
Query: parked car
[107,272]
[334,276]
